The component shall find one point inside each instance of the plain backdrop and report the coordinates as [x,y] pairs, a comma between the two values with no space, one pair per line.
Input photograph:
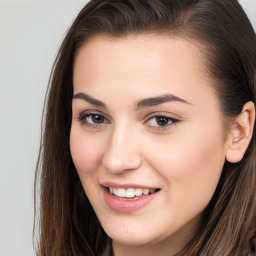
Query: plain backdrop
[30,34]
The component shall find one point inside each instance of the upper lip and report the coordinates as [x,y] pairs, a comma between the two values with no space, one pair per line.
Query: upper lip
[108,184]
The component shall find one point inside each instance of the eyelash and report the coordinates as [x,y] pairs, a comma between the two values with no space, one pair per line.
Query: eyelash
[171,121]
[83,118]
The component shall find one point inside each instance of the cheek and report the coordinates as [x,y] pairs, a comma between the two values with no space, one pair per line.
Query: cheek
[192,156]
[85,151]
[191,164]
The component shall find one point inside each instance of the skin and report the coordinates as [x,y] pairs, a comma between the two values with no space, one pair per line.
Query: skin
[183,159]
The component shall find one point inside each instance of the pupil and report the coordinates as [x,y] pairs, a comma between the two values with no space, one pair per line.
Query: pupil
[162,121]
[97,119]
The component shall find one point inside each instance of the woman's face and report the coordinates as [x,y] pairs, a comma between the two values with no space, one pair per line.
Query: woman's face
[146,137]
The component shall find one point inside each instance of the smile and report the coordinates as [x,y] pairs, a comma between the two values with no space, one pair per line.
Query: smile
[127,200]
[131,193]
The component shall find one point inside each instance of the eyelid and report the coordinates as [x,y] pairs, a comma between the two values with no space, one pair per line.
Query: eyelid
[174,120]
[94,112]
[164,114]
[84,114]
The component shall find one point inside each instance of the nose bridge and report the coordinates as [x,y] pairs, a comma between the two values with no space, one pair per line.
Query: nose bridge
[122,152]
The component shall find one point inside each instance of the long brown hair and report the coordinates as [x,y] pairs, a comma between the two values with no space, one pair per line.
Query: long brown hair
[66,221]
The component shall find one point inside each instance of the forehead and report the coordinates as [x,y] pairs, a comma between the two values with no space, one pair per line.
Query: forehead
[146,64]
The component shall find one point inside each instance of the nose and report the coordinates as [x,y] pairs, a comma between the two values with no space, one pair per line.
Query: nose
[122,151]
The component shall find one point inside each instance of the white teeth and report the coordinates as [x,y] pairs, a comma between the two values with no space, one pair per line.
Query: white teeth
[131,192]
[145,191]
[119,192]
[138,192]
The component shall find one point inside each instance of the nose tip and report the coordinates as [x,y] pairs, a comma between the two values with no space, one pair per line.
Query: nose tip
[116,164]
[120,157]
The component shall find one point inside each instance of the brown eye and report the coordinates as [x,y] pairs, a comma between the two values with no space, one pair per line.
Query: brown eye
[92,119]
[162,121]
[97,119]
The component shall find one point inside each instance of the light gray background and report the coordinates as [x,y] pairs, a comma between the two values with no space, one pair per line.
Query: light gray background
[30,34]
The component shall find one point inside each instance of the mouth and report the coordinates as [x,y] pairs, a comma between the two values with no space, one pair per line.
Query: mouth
[128,198]
[131,193]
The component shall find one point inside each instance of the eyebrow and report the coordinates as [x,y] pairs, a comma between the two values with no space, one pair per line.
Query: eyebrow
[148,102]
[154,101]
[89,99]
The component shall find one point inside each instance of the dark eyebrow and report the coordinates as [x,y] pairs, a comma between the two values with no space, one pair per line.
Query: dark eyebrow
[149,102]
[89,99]
[154,101]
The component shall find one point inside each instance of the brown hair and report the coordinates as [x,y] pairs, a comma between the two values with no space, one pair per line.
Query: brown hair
[67,222]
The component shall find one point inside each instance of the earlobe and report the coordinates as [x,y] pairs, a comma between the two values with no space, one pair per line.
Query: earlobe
[241,133]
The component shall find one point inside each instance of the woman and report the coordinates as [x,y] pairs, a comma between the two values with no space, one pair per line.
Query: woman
[148,143]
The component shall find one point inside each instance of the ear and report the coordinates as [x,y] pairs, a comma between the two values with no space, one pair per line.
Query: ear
[241,134]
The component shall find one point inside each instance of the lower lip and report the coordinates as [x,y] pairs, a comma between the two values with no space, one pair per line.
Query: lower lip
[126,205]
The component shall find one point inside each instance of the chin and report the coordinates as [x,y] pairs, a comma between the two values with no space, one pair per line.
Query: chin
[134,233]
[133,239]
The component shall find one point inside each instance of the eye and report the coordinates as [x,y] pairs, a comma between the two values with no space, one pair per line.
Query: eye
[96,119]
[91,119]
[161,122]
